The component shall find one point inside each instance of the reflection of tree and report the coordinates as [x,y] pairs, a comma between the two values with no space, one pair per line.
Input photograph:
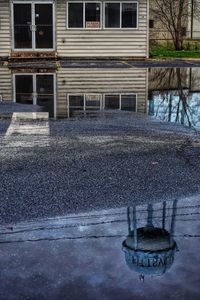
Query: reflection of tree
[172,89]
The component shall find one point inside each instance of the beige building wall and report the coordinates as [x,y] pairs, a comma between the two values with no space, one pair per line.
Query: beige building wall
[5,84]
[87,80]
[5,28]
[102,42]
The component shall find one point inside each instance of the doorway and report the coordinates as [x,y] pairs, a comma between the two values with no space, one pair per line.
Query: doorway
[33,26]
[36,89]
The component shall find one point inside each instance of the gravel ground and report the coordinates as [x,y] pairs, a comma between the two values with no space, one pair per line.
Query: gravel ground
[109,161]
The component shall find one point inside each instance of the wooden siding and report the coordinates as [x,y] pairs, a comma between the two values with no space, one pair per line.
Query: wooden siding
[5,36]
[5,84]
[102,42]
[101,81]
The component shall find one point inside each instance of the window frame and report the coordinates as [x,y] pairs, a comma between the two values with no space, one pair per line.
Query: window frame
[102,100]
[120,28]
[84,28]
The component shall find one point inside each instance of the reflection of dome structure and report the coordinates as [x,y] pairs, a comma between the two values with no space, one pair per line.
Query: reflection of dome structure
[150,250]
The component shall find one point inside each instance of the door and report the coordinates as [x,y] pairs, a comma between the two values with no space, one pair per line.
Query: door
[33,26]
[36,89]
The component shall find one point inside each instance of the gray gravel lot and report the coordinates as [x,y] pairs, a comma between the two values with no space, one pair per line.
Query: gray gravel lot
[109,161]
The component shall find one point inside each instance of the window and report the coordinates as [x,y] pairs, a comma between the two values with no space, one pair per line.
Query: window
[88,15]
[112,101]
[84,15]
[151,23]
[121,101]
[121,15]
[128,102]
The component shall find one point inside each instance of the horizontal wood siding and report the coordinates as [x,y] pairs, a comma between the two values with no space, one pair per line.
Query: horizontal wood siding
[102,42]
[102,81]
[5,37]
[5,84]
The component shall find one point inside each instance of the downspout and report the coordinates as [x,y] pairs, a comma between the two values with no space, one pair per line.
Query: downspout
[192,18]
[148,11]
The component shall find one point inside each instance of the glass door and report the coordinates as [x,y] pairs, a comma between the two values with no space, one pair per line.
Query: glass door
[33,26]
[36,89]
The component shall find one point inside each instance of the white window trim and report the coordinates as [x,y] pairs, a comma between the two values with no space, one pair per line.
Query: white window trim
[120,28]
[102,104]
[84,28]
[32,3]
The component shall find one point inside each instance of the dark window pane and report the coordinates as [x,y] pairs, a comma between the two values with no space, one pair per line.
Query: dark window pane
[44,23]
[23,37]
[45,93]
[44,37]
[22,26]
[43,14]
[92,15]
[128,102]
[129,15]
[47,103]
[45,84]
[151,23]
[76,101]
[22,14]
[111,101]
[112,15]
[24,89]
[75,15]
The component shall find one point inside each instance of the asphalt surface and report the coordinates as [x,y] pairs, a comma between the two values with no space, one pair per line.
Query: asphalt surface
[104,162]
[82,257]
[101,63]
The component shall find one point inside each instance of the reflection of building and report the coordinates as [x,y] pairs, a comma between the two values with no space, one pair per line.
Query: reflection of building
[73,28]
[150,250]
[86,89]
[63,91]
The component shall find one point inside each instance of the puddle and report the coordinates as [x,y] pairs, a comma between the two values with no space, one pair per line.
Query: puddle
[167,94]
[140,252]
[174,95]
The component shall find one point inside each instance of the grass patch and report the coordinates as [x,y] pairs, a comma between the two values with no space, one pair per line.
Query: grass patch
[174,54]
[191,50]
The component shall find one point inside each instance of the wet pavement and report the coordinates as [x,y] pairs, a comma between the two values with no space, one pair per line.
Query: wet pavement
[145,252]
[103,204]
[109,161]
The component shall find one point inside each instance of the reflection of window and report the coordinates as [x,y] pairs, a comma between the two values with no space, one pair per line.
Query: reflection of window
[121,101]
[112,101]
[121,15]
[76,101]
[84,14]
[128,102]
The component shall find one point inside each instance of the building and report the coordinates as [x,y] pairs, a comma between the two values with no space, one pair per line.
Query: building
[62,28]
[66,91]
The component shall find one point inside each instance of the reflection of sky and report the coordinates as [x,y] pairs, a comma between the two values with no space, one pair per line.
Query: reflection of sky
[159,107]
[96,269]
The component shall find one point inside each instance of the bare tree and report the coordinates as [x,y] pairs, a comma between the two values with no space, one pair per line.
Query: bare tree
[173,89]
[174,16]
